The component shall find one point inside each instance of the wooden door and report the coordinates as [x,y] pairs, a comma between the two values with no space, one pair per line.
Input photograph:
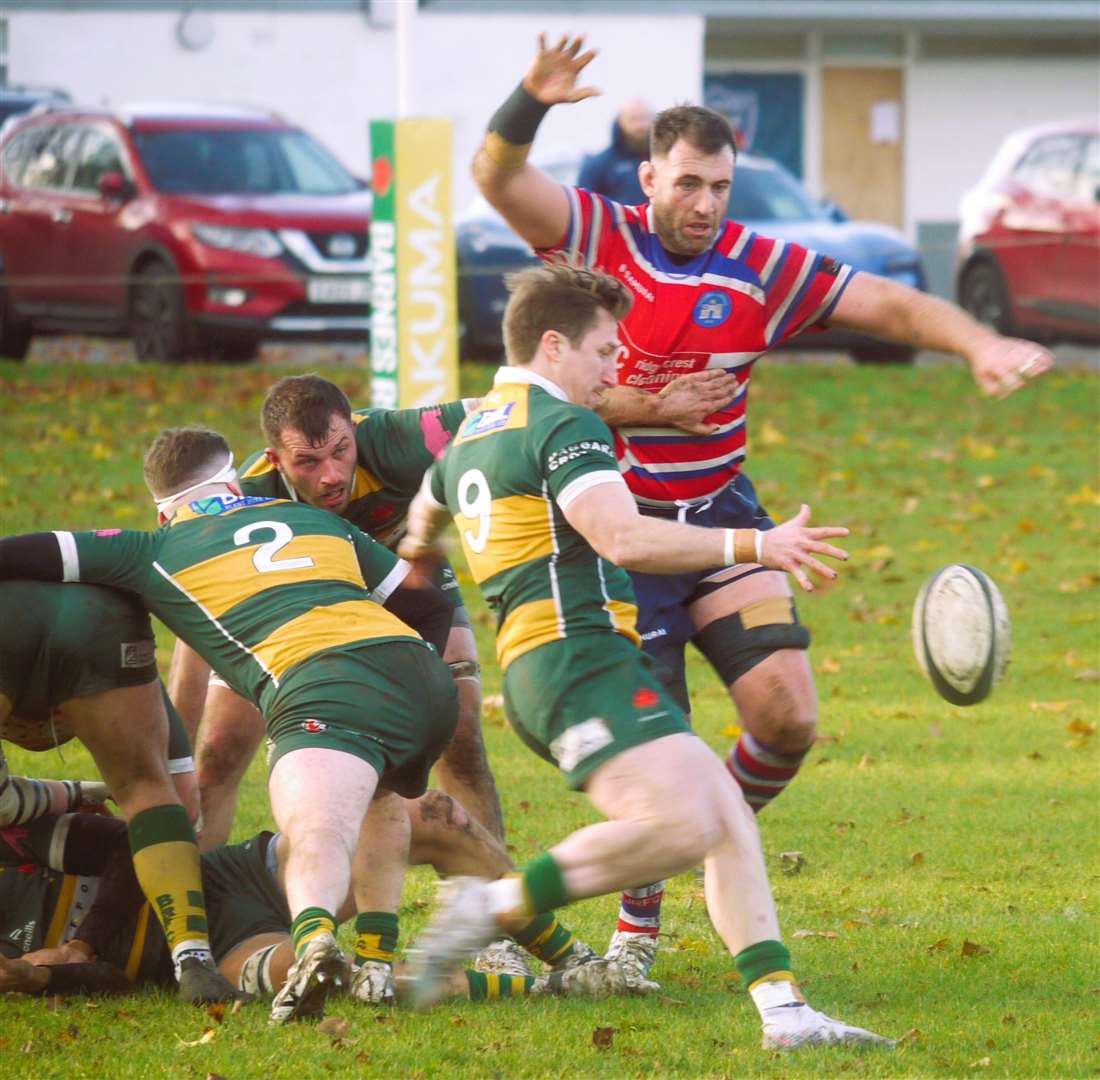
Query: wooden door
[863,118]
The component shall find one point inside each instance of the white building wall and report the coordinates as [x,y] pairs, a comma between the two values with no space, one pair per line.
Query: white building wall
[958,112]
[332,72]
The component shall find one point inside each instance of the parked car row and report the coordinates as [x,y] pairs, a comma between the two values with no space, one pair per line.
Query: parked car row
[1029,235]
[202,231]
[196,230]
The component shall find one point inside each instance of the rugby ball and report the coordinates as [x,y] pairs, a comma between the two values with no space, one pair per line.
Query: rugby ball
[961,633]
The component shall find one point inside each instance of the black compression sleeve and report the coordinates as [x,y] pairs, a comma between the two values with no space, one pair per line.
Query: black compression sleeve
[519,117]
[36,556]
[98,977]
[425,609]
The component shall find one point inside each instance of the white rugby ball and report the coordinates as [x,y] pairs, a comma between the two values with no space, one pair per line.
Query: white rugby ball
[961,633]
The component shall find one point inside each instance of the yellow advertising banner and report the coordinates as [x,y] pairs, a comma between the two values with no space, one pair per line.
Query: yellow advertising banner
[419,255]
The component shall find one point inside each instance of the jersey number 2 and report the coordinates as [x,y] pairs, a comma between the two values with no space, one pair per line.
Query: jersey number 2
[475,501]
[264,557]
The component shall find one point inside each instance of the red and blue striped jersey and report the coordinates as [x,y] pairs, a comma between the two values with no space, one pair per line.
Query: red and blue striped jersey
[723,308]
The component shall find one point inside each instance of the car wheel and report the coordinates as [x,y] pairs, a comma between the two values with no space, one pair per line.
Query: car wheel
[983,294]
[883,354]
[240,351]
[159,324]
[15,336]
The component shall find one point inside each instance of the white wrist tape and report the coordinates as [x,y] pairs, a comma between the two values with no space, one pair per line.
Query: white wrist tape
[727,553]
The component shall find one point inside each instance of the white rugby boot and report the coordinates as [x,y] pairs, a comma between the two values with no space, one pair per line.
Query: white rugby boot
[789,1027]
[463,924]
[636,951]
[503,957]
[321,970]
[596,978]
[372,983]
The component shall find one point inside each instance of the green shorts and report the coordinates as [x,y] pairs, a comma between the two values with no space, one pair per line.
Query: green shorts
[392,703]
[243,898]
[579,702]
[59,642]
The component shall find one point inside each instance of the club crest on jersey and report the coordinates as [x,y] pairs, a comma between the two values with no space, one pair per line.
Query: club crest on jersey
[712,309]
[218,504]
[487,420]
[314,727]
[137,654]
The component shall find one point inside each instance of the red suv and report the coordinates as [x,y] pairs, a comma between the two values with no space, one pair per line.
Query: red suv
[1029,235]
[198,231]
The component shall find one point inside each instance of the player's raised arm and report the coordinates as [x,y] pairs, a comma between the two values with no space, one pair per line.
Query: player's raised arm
[886,309]
[530,201]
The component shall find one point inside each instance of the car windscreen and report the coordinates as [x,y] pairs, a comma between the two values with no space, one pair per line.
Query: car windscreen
[228,161]
[766,193]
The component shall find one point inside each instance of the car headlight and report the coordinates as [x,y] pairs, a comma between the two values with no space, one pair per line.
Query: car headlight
[259,242]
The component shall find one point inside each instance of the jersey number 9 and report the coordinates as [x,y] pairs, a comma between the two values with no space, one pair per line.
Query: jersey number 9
[475,501]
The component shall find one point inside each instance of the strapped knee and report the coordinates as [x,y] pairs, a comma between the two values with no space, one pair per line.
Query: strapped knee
[255,977]
[465,669]
[735,644]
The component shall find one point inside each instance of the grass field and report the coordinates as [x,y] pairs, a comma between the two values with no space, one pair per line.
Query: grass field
[946,888]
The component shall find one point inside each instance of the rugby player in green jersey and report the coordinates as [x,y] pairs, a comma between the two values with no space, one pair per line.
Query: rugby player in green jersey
[546,522]
[301,613]
[80,661]
[365,465]
[68,926]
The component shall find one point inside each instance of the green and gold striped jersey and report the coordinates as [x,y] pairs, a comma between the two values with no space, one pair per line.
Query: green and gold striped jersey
[394,447]
[255,586]
[526,453]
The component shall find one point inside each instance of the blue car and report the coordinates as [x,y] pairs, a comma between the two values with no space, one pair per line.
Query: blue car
[765,196]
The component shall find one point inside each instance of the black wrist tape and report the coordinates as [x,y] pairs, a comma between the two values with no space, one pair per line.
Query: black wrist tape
[519,117]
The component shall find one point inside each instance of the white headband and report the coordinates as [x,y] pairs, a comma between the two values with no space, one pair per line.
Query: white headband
[225,475]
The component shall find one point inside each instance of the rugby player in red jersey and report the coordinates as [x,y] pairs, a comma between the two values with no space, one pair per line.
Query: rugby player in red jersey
[710,297]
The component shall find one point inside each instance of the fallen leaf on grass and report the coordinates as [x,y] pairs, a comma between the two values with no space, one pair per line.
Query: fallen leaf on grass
[207,1036]
[815,933]
[1091,675]
[1008,1018]
[865,762]
[336,1027]
[982,1063]
[236,1007]
[214,1076]
[732,731]
[853,924]
[1081,727]
[972,948]
[602,1037]
[911,1036]
[1052,706]
[917,858]
[689,944]
[829,666]
[791,862]
[939,946]
[670,1001]
[216,1012]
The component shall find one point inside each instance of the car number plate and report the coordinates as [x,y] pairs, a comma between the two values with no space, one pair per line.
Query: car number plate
[339,290]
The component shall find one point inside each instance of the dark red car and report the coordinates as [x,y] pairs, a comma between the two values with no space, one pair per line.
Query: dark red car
[198,231]
[1029,235]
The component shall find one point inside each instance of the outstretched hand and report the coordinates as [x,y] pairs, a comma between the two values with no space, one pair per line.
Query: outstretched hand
[793,545]
[1002,365]
[689,399]
[19,977]
[552,76]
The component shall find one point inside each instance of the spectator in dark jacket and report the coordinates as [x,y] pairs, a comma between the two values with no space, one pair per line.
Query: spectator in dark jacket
[614,172]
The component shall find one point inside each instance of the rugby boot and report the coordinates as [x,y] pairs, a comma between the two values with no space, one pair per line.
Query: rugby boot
[503,957]
[372,983]
[578,955]
[791,1026]
[463,924]
[637,951]
[201,983]
[596,978]
[321,970]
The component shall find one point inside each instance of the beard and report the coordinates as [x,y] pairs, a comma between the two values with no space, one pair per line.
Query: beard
[674,239]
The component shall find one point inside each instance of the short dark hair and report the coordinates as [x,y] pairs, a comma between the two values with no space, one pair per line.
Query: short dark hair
[557,296]
[182,456]
[304,402]
[703,128]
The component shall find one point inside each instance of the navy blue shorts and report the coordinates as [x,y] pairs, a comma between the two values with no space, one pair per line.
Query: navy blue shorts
[663,599]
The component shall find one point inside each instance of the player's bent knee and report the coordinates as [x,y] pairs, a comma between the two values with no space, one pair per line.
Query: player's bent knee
[735,644]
